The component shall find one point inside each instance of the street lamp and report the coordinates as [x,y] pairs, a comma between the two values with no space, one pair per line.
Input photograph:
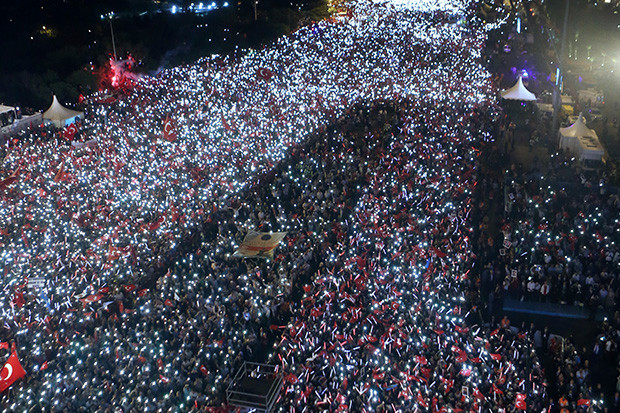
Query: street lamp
[110,16]
[560,72]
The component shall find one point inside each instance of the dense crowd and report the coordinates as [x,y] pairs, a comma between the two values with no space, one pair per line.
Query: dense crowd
[579,371]
[382,325]
[558,245]
[110,211]
[361,138]
[561,237]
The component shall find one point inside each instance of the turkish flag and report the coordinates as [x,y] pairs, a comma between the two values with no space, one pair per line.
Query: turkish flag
[583,402]
[154,226]
[378,375]
[465,371]
[264,73]
[478,395]
[447,383]
[11,372]
[4,345]
[520,402]
[60,174]
[421,400]
[461,354]
[10,179]
[461,329]
[18,299]
[169,133]
[70,131]
[438,253]
[129,288]
[204,370]
[91,298]
[7,181]
[143,292]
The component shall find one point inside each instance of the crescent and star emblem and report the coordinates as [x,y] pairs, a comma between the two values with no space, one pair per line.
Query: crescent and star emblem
[9,369]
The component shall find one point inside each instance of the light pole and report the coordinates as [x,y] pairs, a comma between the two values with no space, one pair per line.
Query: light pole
[110,16]
[557,99]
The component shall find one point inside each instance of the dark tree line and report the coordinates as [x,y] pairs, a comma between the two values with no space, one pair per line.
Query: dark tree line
[62,47]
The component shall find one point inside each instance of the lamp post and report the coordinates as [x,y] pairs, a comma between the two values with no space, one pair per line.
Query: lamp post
[560,72]
[110,16]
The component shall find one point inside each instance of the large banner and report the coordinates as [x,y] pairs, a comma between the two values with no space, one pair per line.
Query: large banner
[259,244]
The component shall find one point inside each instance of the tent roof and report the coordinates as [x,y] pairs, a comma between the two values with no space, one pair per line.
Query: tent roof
[518,92]
[578,129]
[4,108]
[58,112]
[591,145]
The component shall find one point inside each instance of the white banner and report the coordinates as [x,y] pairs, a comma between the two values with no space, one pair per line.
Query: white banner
[259,244]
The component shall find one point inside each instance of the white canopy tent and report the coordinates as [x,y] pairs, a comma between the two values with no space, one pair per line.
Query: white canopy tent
[4,109]
[60,115]
[518,92]
[581,141]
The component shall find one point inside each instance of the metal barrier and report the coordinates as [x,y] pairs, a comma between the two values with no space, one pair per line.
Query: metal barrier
[255,386]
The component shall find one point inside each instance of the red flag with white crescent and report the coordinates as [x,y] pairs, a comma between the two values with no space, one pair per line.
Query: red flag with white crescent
[91,298]
[264,73]
[70,131]
[11,372]
[170,133]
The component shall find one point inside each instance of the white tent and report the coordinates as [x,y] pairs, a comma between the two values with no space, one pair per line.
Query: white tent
[60,115]
[581,141]
[4,109]
[518,92]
